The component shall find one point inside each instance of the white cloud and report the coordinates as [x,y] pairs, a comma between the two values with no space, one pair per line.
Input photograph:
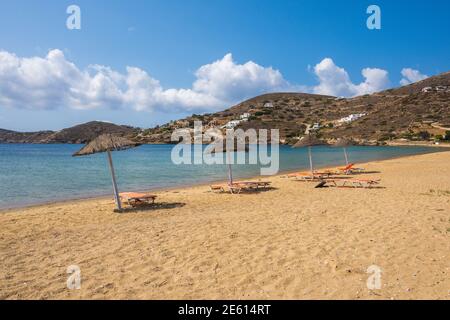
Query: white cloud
[411,76]
[53,81]
[229,81]
[335,81]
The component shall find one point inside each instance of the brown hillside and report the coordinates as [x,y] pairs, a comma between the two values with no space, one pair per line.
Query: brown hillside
[78,134]
[404,112]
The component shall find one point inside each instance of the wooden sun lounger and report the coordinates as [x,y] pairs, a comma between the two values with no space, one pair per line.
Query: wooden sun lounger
[255,184]
[349,169]
[238,187]
[235,188]
[135,199]
[307,176]
[217,188]
[325,173]
[311,178]
[354,183]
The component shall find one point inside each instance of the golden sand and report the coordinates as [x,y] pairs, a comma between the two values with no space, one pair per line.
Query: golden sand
[293,242]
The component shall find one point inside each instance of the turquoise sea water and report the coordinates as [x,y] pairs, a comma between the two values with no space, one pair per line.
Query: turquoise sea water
[31,174]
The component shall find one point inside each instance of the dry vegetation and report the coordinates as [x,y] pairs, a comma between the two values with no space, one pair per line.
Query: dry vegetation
[403,113]
[406,114]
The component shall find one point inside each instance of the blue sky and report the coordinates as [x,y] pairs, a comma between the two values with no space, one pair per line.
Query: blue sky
[178,51]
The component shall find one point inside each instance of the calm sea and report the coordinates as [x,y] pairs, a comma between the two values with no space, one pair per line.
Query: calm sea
[32,174]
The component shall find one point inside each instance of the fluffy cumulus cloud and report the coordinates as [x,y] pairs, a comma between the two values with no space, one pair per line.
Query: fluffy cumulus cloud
[229,81]
[335,81]
[53,81]
[411,76]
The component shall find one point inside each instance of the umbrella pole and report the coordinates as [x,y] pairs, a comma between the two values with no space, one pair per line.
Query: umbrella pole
[230,172]
[346,156]
[310,160]
[116,191]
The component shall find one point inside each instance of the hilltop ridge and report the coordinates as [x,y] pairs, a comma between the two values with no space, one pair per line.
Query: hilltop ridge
[419,112]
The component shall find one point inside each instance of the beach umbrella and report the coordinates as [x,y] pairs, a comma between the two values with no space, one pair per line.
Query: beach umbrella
[108,143]
[228,152]
[230,171]
[309,141]
[344,143]
[237,148]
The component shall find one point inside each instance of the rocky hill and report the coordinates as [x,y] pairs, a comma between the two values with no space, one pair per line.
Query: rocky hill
[78,134]
[420,111]
[417,112]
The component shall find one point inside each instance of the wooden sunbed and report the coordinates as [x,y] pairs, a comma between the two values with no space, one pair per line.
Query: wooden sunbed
[354,183]
[320,174]
[308,177]
[349,169]
[255,184]
[217,188]
[135,199]
[238,187]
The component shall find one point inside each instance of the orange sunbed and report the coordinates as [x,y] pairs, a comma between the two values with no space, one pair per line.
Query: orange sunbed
[355,183]
[350,168]
[135,199]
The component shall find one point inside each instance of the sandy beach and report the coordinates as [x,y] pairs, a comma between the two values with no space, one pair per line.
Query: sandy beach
[291,242]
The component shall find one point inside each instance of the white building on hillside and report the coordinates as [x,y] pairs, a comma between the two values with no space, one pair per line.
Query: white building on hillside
[245,116]
[231,124]
[351,118]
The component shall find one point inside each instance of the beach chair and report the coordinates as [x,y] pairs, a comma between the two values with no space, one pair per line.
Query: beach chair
[264,184]
[354,183]
[308,177]
[346,169]
[136,199]
[217,188]
[349,169]
[254,184]
[237,187]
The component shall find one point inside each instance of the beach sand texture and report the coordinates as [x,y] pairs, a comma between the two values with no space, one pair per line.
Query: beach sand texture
[292,242]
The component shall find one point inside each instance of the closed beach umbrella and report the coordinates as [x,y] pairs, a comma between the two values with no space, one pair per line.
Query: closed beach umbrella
[309,141]
[344,143]
[235,149]
[230,171]
[228,152]
[108,143]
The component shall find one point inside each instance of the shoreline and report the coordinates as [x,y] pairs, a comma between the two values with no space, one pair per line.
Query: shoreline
[192,185]
[418,144]
[291,241]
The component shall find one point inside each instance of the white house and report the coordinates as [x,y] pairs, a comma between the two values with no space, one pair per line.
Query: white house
[231,124]
[245,116]
[268,105]
[351,118]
